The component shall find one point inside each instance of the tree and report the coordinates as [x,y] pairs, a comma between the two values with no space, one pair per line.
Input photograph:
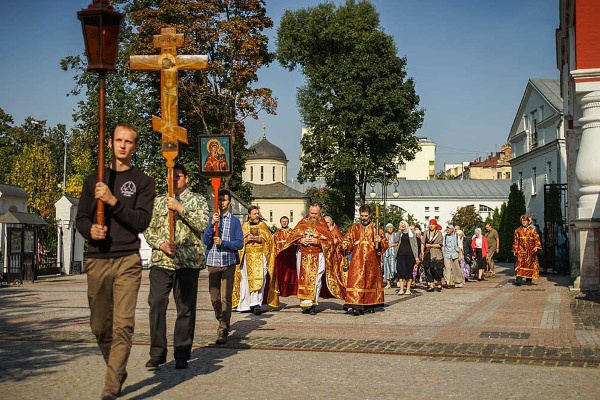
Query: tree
[468,219]
[34,171]
[358,103]
[496,217]
[213,101]
[7,147]
[511,219]
[328,199]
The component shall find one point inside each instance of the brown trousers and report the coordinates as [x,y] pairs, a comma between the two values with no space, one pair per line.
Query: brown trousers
[490,261]
[113,285]
[220,286]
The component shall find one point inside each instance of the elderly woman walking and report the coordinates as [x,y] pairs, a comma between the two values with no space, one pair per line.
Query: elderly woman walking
[452,272]
[389,257]
[465,254]
[407,257]
[480,249]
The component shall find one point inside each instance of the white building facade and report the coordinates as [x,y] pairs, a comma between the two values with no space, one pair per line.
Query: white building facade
[578,60]
[439,199]
[537,140]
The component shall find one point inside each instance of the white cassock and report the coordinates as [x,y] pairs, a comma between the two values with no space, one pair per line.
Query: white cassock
[247,298]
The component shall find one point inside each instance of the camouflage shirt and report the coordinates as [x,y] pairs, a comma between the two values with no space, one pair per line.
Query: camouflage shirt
[189,226]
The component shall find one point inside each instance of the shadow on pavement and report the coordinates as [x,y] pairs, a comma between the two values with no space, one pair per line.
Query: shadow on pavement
[18,362]
[203,361]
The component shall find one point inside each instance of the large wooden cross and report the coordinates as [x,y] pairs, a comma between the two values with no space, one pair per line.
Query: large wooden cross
[169,63]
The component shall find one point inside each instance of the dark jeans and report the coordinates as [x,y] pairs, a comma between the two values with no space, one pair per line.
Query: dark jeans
[220,286]
[184,283]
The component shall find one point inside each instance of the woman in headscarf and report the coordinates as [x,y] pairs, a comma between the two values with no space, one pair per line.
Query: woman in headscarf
[480,249]
[407,256]
[465,254]
[389,257]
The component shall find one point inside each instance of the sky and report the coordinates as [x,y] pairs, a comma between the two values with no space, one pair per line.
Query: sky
[470,60]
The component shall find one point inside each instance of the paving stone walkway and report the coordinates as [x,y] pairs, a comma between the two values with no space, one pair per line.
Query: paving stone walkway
[491,327]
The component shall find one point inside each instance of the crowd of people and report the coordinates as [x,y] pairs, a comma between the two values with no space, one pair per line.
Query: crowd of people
[247,265]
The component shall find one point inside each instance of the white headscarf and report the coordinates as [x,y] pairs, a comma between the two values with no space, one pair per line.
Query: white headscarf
[410,233]
[460,233]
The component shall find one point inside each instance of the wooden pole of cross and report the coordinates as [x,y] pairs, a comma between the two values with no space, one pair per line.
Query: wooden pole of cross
[169,63]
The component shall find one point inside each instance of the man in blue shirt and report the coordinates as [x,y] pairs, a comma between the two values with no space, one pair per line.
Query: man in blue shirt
[221,259]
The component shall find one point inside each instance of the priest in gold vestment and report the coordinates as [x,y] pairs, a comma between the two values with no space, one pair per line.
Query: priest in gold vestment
[257,259]
[306,264]
[364,287]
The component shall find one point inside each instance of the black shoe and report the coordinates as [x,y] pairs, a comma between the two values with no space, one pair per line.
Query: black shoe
[305,310]
[108,397]
[439,288]
[153,363]
[345,308]
[356,312]
[256,310]
[181,364]
[312,310]
[430,289]
[222,339]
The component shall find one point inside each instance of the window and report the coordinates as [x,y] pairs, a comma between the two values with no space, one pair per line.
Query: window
[273,174]
[271,216]
[534,133]
[533,181]
[426,209]
[499,175]
[291,215]
[251,174]
[262,173]
[436,209]
[484,208]
[437,217]
[507,175]
[402,167]
[520,181]
[283,175]
[548,177]
[427,218]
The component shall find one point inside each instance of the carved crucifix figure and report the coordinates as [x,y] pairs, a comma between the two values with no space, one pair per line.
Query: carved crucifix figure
[169,63]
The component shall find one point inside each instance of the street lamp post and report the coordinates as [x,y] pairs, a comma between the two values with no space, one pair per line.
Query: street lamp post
[100,25]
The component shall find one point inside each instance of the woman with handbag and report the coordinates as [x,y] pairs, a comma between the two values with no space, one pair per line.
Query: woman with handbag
[479,245]
[406,257]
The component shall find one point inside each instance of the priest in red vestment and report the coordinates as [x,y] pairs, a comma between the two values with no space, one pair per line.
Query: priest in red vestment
[306,264]
[364,288]
[280,237]
[526,243]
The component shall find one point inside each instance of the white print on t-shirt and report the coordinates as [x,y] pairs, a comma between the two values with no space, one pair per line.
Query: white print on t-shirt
[128,189]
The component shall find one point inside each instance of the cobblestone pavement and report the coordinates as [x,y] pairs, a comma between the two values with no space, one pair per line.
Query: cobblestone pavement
[428,344]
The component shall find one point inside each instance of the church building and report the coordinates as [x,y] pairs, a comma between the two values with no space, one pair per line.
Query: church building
[266,171]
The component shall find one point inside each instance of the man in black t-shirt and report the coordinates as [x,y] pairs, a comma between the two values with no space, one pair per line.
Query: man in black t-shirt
[113,264]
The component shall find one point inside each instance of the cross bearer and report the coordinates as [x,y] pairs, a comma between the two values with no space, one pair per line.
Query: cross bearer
[169,64]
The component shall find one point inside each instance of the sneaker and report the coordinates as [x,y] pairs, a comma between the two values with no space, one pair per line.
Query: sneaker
[153,363]
[408,292]
[400,292]
[181,364]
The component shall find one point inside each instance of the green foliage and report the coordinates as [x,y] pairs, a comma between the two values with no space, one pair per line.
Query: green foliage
[34,171]
[510,221]
[361,108]
[215,101]
[468,219]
